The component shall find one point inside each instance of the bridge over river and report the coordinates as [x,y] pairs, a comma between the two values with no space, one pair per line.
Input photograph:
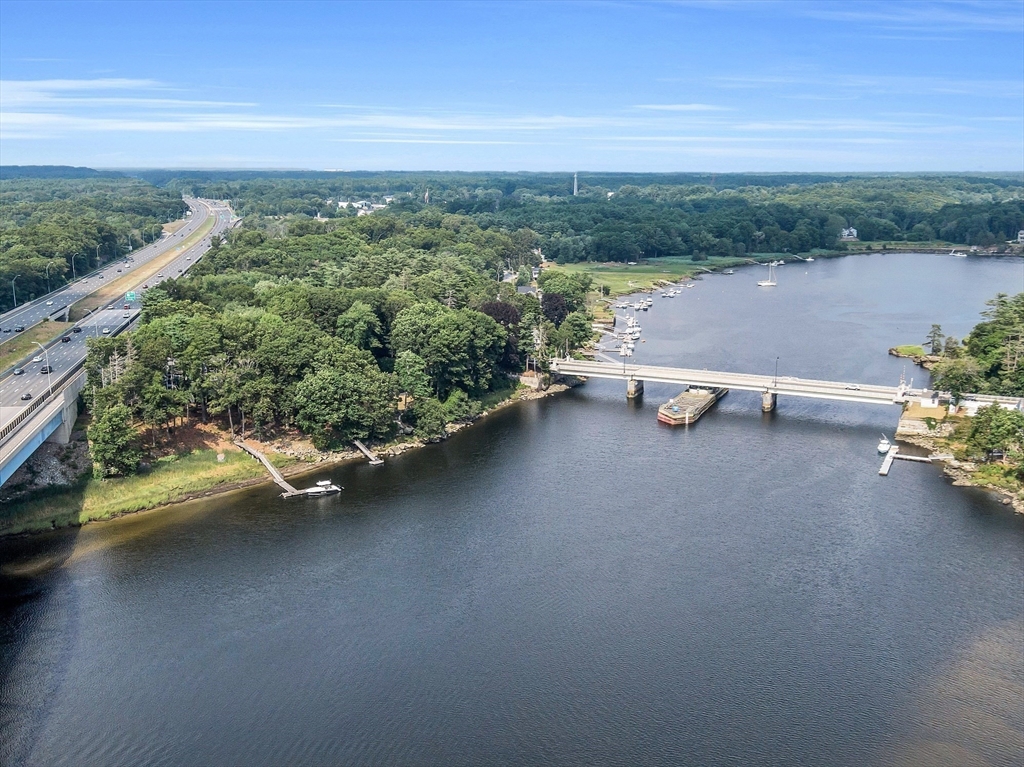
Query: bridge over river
[769,386]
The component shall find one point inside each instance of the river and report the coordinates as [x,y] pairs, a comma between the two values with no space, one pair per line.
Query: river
[567,582]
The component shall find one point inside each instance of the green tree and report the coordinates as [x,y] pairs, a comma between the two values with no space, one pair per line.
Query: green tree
[934,339]
[411,374]
[360,327]
[113,443]
[957,376]
[996,429]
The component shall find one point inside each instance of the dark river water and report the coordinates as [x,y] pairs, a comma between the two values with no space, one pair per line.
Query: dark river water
[567,582]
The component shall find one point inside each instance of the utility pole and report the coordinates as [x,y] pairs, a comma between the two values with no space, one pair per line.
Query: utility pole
[14,292]
[776,379]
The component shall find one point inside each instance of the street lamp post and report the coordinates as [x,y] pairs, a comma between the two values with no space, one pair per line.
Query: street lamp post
[775,380]
[14,292]
[49,381]
[48,265]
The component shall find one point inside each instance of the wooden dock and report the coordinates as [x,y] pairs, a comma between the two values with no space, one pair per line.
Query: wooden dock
[289,491]
[374,460]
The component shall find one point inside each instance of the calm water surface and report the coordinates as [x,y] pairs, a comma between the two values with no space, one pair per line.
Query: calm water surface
[568,582]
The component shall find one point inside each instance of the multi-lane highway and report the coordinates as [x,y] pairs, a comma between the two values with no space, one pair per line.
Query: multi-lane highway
[63,356]
[30,313]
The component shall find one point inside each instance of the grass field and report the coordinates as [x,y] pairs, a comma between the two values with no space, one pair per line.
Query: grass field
[113,292]
[17,346]
[170,479]
[911,350]
[622,279]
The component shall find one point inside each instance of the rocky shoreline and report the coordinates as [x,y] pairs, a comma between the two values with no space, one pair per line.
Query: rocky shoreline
[961,473]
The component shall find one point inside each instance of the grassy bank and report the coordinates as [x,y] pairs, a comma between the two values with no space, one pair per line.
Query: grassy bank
[169,479]
[909,350]
[16,347]
[624,278]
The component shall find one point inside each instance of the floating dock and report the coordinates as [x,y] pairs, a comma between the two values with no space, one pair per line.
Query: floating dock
[689,405]
[373,459]
[887,461]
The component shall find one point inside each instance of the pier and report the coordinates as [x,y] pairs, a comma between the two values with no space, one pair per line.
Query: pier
[373,459]
[887,461]
[289,491]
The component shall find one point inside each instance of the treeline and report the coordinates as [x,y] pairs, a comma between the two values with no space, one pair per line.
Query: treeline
[991,359]
[624,217]
[363,328]
[52,229]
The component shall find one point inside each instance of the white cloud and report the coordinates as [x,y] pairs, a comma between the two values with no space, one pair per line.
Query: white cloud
[683,107]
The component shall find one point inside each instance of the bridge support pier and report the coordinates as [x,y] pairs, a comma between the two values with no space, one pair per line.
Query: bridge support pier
[634,388]
[69,414]
[768,401]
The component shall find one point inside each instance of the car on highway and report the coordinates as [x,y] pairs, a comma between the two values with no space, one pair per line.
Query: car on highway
[46,369]
[49,303]
[27,396]
[7,330]
[18,328]
[145,285]
[118,270]
[853,387]
[110,306]
[19,372]
[65,339]
[37,358]
[127,306]
[101,276]
[126,315]
[76,329]
[106,331]
[160,275]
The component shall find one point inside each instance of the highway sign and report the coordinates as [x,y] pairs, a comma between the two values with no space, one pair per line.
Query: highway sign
[129,296]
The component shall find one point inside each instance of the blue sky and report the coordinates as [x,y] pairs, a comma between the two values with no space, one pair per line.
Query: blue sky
[613,86]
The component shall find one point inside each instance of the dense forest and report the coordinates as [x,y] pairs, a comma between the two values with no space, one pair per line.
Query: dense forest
[52,229]
[622,217]
[352,329]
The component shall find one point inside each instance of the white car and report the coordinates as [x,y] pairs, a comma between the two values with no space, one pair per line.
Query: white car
[49,303]
[37,359]
[106,331]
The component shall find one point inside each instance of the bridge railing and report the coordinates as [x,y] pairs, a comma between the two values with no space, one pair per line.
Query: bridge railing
[38,402]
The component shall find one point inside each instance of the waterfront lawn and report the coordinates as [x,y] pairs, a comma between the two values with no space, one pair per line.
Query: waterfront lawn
[622,278]
[910,350]
[169,479]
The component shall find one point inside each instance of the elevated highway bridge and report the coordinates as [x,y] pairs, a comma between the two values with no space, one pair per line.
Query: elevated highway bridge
[769,386]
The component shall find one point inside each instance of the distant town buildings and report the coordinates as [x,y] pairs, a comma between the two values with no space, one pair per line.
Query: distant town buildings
[848,235]
[365,207]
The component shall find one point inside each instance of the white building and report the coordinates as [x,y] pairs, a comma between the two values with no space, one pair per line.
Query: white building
[848,234]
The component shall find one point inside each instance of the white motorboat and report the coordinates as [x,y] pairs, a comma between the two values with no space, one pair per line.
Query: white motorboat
[884,445]
[729,271]
[323,487]
[957,254]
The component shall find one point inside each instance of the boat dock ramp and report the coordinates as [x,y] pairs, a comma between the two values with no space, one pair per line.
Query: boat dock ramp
[894,454]
[323,487]
[373,459]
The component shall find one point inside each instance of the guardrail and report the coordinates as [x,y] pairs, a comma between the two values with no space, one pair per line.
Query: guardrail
[66,376]
[37,403]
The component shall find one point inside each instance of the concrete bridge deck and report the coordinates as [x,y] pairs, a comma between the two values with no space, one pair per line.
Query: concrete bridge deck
[768,386]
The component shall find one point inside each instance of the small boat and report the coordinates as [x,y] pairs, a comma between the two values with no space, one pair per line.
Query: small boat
[770,282]
[957,254]
[729,271]
[809,258]
[884,445]
[691,284]
[323,487]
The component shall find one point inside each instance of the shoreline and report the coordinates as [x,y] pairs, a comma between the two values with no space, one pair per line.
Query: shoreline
[299,468]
